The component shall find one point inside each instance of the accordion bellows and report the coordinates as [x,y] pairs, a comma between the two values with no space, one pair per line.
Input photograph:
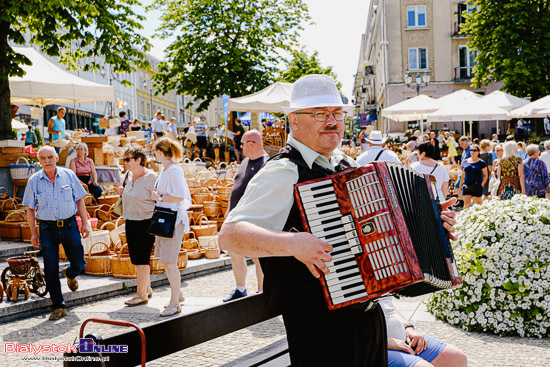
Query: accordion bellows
[383,221]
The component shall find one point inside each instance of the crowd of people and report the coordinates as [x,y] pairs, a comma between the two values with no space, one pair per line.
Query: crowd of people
[263,222]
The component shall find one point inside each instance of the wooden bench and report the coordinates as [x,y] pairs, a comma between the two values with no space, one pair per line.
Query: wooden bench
[174,335]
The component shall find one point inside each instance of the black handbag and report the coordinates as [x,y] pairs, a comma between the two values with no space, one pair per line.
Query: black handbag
[163,222]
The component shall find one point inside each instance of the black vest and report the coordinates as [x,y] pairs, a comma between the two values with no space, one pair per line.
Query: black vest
[288,284]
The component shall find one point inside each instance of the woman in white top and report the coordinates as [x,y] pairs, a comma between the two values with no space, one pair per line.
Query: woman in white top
[137,209]
[172,192]
[426,164]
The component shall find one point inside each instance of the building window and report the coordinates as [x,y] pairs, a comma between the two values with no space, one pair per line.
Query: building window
[418,58]
[466,62]
[416,16]
[142,108]
[149,110]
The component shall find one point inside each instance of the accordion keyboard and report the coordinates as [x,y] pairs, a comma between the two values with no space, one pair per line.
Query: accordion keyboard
[327,223]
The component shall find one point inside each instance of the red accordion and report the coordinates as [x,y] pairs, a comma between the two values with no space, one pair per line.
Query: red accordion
[383,221]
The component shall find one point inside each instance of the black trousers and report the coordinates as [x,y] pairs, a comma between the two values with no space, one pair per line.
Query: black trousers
[343,337]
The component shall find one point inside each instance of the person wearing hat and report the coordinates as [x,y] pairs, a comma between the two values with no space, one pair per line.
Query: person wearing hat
[266,223]
[376,152]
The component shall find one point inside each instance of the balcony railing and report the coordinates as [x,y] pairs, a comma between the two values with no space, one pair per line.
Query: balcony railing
[463,73]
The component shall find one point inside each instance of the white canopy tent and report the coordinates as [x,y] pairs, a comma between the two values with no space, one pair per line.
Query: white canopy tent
[533,109]
[503,100]
[269,99]
[45,84]
[416,108]
[464,105]
[19,126]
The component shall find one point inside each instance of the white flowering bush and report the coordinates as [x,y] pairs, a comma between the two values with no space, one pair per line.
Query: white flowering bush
[503,256]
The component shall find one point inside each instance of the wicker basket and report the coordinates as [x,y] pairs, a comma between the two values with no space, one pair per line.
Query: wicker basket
[224,206]
[204,228]
[155,265]
[122,236]
[224,192]
[208,242]
[182,259]
[4,193]
[8,206]
[121,266]
[195,254]
[190,244]
[10,228]
[212,253]
[26,233]
[98,263]
[197,210]
[212,209]
[201,196]
[20,264]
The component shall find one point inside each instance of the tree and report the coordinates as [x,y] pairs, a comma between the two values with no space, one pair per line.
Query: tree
[70,30]
[302,64]
[512,40]
[225,47]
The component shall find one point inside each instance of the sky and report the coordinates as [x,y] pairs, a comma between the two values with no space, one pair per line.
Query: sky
[336,35]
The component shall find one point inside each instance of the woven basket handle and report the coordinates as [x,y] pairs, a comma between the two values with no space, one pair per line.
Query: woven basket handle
[10,200]
[97,243]
[120,250]
[3,188]
[10,217]
[203,217]
[25,159]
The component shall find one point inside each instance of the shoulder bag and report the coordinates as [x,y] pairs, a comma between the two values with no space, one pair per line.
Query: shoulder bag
[117,208]
[163,222]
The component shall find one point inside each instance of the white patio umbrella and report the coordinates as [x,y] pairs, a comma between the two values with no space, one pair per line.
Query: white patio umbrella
[19,126]
[415,108]
[466,106]
[504,100]
[533,109]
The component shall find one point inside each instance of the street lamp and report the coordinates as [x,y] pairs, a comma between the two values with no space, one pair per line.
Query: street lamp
[419,81]
[150,95]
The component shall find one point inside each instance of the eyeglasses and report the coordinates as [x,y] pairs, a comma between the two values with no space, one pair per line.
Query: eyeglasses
[128,159]
[474,150]
[323,116]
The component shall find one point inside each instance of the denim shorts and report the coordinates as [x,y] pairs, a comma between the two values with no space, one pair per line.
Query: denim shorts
[403,359]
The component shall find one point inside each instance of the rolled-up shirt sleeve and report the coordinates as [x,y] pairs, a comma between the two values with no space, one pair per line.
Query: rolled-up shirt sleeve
[268,197]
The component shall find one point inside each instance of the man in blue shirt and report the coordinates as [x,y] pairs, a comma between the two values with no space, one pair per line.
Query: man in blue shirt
[56,128]
[464,143]
[53,196]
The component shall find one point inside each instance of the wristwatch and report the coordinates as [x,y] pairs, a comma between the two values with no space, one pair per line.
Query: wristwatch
[409,325]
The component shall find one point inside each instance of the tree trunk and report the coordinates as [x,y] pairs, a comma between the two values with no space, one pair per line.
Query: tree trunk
[5,112]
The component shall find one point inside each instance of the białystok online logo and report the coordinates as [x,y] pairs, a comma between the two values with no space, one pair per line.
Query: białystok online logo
[86,345]
[89,346]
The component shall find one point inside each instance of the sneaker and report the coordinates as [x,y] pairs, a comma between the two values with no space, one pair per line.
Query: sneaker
[171,310]
[72,283]
[58,314]
[236,295]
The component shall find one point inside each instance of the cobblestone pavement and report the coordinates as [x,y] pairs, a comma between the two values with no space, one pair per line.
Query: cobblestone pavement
[482,349]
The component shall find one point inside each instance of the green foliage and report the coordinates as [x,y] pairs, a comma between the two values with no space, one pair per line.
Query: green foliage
[225,47]
[512,39]
[70,30]
[303,64]
[38,137]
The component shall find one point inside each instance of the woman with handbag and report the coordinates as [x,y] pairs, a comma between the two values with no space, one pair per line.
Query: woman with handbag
[84,168]
[171,195]
[137,209]
[510,172]
[474,175]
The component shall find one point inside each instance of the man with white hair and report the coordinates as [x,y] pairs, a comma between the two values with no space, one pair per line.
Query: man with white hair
[253,150]
[266,223]
[53,196]
[376,151]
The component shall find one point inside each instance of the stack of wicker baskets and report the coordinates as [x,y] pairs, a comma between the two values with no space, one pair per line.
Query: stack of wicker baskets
[121,266]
